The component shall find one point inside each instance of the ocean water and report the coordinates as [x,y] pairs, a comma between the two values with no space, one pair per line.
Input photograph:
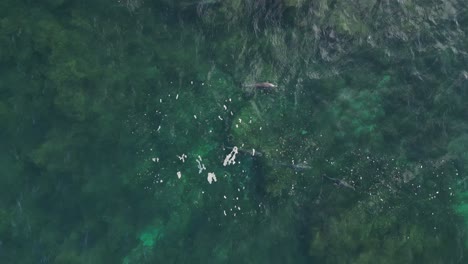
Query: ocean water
[240,131]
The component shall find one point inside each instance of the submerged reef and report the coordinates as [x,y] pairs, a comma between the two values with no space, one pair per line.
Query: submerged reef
[132,131]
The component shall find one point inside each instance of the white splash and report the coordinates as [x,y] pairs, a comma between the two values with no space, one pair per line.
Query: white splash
[230,158]
[211,177]
[179,174]
[182,157]
[201,166]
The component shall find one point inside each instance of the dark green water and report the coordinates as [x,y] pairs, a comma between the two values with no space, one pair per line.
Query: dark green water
[130,131]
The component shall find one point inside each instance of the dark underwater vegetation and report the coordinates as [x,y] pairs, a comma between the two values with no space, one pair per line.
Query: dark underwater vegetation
[138,131]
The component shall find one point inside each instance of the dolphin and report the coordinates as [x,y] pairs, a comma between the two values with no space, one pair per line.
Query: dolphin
[263,86]
[297,167]
[341,183]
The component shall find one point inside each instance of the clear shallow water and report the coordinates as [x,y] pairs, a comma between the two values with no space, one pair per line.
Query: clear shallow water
[131,132]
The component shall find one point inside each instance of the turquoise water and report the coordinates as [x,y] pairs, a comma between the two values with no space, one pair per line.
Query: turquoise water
[133,132]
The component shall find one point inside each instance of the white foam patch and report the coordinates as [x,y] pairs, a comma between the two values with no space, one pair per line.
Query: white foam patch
[201,166]
[231,157]
[211,177]
[182,157]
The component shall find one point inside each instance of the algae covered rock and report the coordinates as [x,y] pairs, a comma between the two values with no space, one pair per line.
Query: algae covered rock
[358,236]
[268,125]
[146,247]
[358,114]
[459,148]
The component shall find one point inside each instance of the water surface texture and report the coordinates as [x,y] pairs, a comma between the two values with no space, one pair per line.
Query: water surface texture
[233,131]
